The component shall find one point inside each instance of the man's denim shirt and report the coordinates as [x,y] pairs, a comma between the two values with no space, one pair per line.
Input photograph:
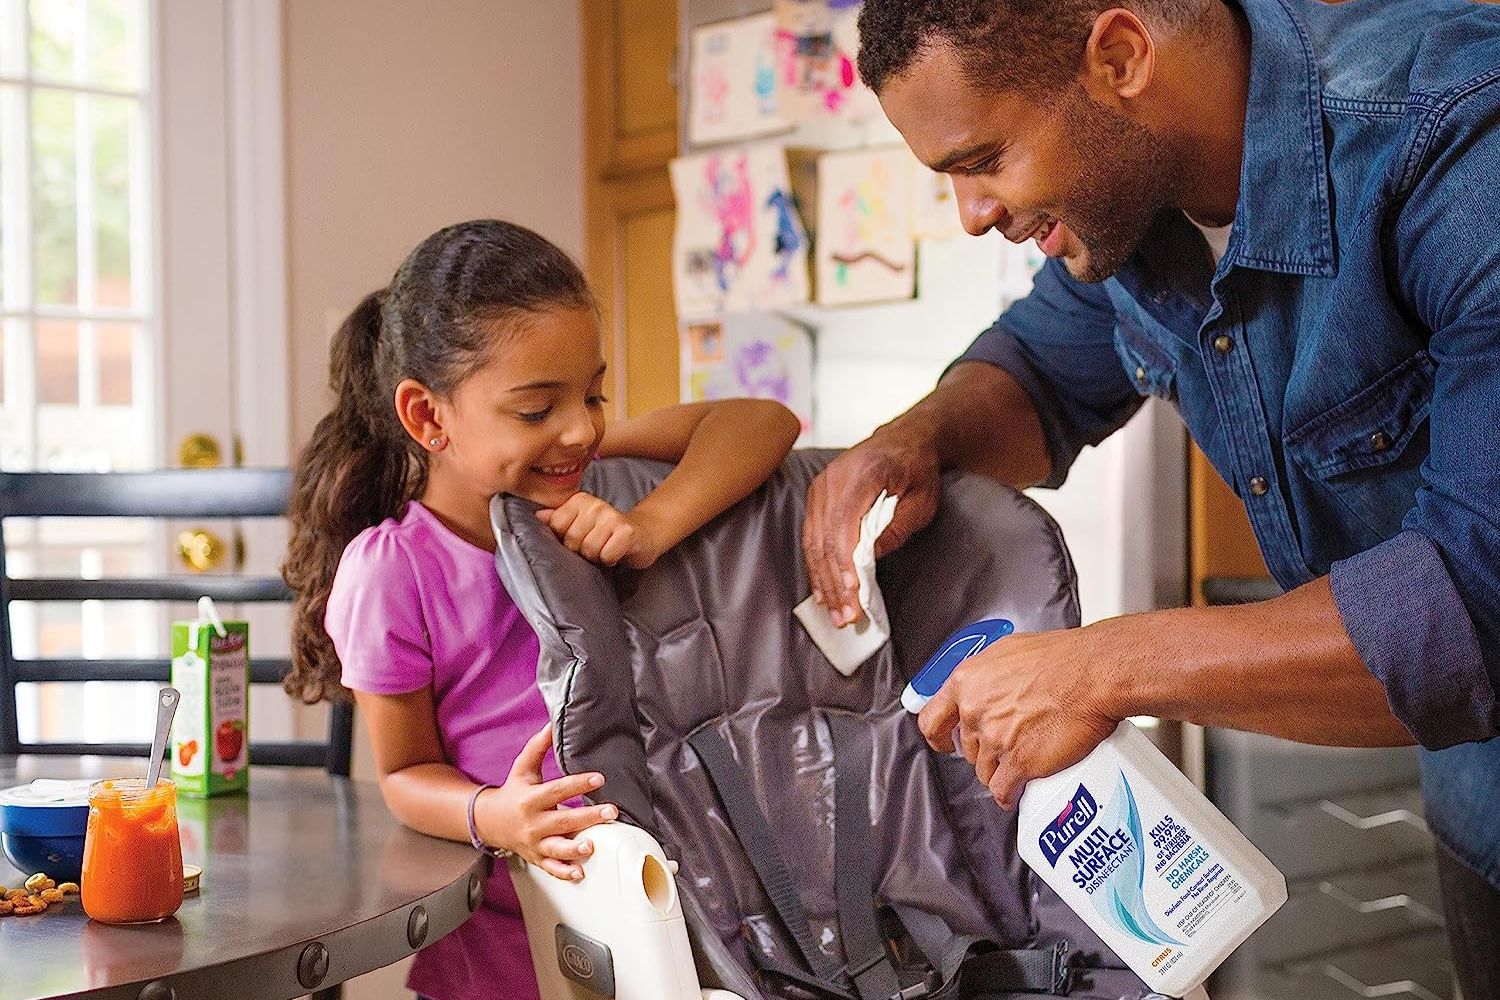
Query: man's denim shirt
[1341,366]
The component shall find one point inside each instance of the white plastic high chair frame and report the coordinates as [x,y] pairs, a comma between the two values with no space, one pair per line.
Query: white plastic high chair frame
[626,900]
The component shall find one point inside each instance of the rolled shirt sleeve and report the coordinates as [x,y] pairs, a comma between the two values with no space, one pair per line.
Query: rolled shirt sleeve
[1423,608]
[1405,616]
[1058,343]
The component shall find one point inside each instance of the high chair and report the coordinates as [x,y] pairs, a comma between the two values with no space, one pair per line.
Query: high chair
[785,830]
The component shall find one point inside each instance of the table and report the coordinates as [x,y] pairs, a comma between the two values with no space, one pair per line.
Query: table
[307,881]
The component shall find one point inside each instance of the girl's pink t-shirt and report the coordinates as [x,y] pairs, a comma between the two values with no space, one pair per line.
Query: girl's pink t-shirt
[414,605]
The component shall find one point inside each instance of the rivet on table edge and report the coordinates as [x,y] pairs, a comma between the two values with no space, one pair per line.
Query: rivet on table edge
[312,966]
[416,926]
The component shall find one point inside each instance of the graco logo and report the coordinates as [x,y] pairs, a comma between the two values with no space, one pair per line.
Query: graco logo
[578,961]
[1075,817]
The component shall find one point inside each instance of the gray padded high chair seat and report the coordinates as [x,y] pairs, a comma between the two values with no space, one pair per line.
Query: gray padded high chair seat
[788,793]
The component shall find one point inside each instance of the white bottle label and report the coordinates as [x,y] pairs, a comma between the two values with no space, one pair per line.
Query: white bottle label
[1148,862]
[1155,887]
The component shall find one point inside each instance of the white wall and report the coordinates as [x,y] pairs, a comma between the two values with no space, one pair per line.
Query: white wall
[404,117]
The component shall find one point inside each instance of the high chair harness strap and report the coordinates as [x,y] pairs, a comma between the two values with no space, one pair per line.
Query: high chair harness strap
[972,968]
[976,969]
[869,963]
[754,835]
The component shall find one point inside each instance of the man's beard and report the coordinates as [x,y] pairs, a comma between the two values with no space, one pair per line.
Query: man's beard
[1126,179]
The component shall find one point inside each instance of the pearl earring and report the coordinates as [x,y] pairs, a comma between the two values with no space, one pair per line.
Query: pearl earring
[436,443]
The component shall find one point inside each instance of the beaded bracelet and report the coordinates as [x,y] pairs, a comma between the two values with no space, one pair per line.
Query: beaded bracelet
[474,838]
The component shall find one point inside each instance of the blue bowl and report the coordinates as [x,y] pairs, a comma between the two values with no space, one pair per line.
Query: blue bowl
[60,857]
[42,827]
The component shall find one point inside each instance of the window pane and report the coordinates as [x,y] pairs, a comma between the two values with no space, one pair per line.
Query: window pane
[13,37]
[54,546]
[116,30]
[15,420]
[13,193]
[93,712]
[54,183]
[90,439]
[95,629]
[54,28]
[115,343]
[56,362]
[113,119]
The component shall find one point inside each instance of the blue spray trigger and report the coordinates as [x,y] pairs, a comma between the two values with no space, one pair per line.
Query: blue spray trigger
[960,646]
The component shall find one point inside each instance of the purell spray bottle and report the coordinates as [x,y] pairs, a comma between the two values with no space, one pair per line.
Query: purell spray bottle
[1133,847]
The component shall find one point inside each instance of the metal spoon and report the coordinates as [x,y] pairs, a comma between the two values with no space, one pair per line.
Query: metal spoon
[166,708]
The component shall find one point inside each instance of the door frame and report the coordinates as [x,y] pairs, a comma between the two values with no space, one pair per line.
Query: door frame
[221,276]
[220,183]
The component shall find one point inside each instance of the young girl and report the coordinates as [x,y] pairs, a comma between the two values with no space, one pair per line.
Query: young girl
[479,372]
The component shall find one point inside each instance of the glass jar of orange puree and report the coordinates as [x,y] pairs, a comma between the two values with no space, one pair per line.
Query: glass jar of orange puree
[132,857]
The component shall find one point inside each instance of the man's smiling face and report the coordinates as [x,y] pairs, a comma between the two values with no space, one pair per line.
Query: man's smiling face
[1079,177]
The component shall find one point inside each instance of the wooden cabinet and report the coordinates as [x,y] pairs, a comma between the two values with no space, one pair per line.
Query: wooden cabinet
[630,125]
[1221,542]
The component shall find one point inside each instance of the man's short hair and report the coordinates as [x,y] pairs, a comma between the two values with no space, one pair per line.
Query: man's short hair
[1026,45]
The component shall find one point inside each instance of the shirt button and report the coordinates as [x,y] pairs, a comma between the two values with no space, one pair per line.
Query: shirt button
[1223,344]
[1259,486]
[1160,298]
[1140,375]
[1380,441]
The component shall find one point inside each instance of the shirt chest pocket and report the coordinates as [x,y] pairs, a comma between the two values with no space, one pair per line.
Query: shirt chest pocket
[1149,365]
[1368,450]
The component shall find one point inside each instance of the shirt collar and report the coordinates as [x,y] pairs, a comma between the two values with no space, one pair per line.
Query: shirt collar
[1283,219]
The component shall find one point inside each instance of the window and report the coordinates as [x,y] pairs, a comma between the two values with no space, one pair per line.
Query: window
[75,234]
[78,326]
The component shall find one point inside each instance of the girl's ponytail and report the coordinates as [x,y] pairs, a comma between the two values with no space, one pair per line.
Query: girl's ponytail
[354,472]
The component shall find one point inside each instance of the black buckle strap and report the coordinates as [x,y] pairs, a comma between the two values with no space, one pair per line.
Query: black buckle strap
[806,981]
[1027,970]
[869,965]
[753,832]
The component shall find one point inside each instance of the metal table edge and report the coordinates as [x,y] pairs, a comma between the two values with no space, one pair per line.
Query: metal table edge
[293,970]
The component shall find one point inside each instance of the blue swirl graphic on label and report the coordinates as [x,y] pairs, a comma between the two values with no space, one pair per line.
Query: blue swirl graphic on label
[1122,902]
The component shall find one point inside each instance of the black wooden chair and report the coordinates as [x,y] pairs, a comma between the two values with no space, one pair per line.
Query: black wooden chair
[177,494]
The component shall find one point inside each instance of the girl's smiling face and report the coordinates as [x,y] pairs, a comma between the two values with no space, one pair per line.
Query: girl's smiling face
[528,420]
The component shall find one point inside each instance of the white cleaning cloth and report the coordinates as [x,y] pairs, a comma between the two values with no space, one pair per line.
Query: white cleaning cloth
[848,647]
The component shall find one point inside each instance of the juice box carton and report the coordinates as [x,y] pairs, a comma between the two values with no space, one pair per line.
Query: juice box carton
[210,736]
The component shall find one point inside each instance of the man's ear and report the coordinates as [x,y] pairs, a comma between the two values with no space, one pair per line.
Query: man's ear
[1119,59]
[417,407]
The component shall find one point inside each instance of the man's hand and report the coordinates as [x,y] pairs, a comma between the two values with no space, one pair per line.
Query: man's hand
[901,463]
[1024,708]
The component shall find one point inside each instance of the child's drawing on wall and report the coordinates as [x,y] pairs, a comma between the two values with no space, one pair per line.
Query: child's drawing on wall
[816,44]
[732,93]
[865,248]
[739,242]
[727,197]
[757,355]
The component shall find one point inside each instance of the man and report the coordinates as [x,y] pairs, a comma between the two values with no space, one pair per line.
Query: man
[1338,361]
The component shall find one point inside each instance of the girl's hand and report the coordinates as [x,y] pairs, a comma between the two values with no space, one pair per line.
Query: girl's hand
[601,534]
[526,815]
